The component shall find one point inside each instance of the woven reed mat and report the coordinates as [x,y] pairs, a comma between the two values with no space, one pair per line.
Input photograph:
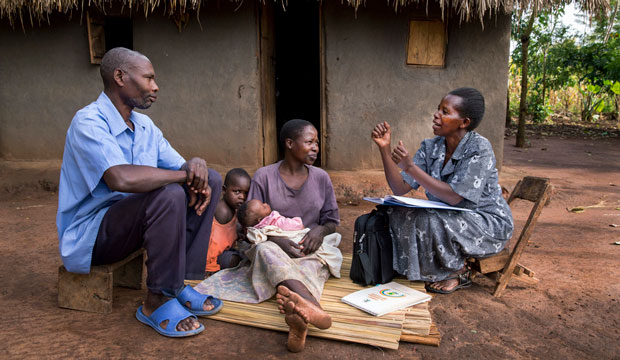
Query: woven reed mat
[412,324]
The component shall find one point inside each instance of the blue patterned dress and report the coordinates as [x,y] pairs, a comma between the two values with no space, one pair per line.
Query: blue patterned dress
[429,244]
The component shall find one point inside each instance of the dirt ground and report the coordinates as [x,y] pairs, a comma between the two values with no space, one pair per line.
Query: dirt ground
[572,313]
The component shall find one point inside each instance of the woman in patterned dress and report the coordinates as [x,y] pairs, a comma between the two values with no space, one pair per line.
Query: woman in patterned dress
[457,167]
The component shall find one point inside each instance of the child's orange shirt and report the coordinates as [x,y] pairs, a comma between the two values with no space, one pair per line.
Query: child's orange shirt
[223,237]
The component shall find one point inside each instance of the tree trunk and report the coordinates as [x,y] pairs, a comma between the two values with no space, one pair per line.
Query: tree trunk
[545,52]
[508,117]
[544,79]
[586,106]
[617,114]
[611,22]
[525,44]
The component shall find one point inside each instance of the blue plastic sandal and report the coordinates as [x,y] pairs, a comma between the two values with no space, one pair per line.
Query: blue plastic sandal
[172,311]
[196,300]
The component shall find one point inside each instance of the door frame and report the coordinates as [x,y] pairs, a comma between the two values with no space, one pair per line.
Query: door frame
[323,76]
[267,77]
[266,46]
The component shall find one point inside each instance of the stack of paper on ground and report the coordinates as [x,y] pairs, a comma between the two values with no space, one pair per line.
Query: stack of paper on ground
[412,324]
[393,200]
[386,298]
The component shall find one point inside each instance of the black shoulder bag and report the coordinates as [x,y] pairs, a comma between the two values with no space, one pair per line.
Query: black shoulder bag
[372,249]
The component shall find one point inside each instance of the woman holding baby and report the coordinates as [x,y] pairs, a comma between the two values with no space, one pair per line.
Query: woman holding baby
[292,267]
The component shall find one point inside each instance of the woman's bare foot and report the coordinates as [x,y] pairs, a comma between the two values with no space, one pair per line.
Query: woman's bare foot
[153,301]
[298,329]
[444,285]
[290,301]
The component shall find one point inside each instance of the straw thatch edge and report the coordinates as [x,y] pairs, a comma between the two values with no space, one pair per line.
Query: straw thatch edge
[466,10]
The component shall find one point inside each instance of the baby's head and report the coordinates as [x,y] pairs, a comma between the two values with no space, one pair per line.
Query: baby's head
[236,187]
[252,212]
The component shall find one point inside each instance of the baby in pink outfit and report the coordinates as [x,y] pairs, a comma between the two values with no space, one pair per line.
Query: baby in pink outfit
[256,214]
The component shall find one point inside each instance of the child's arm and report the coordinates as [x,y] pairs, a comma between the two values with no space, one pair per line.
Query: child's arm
[223,214]
[241,236]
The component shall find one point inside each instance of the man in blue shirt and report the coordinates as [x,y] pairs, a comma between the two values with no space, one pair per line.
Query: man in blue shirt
[123,187]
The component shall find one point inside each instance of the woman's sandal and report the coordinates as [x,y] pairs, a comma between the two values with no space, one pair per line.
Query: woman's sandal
[196,301]
[172,311]
[464,282]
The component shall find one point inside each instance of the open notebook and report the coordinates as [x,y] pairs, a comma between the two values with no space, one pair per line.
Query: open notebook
[394,200]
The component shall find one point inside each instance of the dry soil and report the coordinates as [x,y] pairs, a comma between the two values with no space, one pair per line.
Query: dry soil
[572,313]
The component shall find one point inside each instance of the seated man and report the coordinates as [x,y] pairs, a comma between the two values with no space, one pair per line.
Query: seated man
[123,187]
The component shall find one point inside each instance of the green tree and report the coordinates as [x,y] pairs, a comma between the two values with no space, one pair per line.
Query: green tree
[549,57]
[524,30]
[537,32]
[592,64]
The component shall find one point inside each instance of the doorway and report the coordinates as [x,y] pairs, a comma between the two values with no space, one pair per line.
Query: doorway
[297,65]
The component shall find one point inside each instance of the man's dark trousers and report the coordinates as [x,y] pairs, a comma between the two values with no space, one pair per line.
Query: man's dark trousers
[176,239]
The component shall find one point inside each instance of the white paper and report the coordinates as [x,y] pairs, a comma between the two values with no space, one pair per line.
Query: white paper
[412,202]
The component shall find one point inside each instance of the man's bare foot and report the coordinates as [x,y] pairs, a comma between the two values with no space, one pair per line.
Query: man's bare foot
[298,329]
[290,301]
[153,301]
[206,306]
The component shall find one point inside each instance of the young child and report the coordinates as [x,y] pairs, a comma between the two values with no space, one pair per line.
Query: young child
[224,228]
[256,214]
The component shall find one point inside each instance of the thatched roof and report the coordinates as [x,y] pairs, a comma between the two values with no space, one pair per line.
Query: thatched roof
[466,10]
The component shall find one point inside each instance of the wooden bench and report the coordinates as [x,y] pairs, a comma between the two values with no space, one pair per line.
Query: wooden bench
[93,292]
[504,266]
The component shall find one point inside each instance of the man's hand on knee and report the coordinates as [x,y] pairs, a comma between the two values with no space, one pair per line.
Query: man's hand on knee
[197,176]
[199,201]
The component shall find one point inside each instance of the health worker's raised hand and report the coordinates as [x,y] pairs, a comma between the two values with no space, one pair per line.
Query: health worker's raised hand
[381,134]
[401,157]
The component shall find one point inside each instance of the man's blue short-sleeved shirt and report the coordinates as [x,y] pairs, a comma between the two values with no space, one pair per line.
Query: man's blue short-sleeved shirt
[98,138]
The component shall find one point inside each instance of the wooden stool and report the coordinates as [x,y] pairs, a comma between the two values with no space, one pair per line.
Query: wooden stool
[93,292]
[502,267]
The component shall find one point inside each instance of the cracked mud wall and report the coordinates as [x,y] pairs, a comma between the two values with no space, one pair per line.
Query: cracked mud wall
[208,104]
[369,81]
